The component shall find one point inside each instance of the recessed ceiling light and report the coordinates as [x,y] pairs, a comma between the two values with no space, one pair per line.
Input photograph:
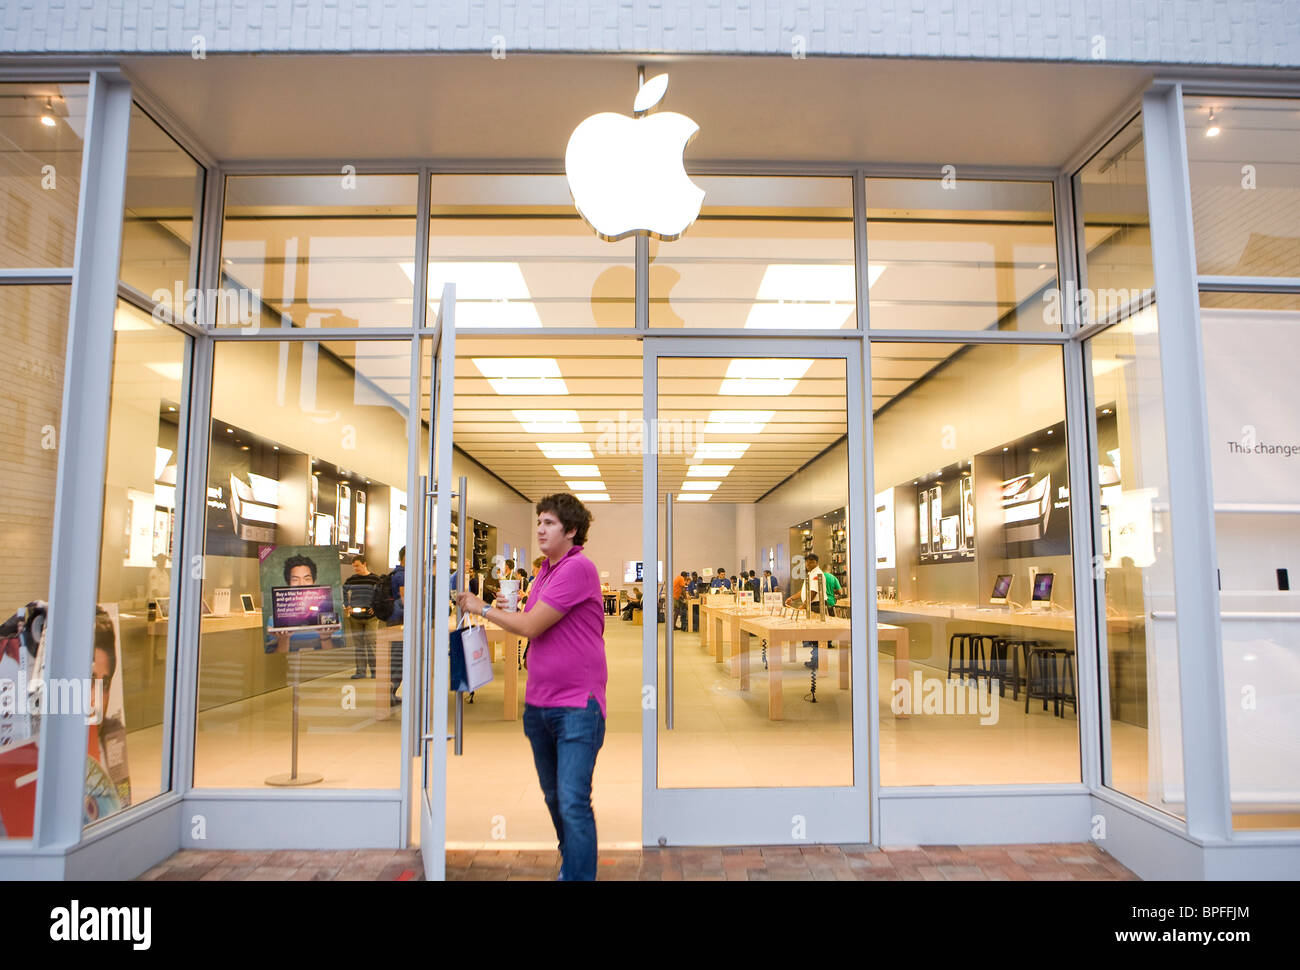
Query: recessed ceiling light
[1050,431]
[549,422]
[752,376]
[488,294]
[709,451]
[708,471]
[737,422]
[577,471]
[586,486]
[47,116]
[522,375]
[1212,130]
[565,449]
[592,496]
[698,486]
[1006,449]
[694,496]
[1105,410]
[799,296]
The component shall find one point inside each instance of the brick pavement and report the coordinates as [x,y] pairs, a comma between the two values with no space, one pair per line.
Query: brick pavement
[1058,861]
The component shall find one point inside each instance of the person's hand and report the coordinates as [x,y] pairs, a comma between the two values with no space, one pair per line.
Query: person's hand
[469,603]
[282,643]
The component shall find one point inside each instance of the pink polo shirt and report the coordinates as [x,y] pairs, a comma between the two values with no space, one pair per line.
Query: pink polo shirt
[566,664]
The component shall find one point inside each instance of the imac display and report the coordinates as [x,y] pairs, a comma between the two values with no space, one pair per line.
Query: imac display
[1001,588]
[1042,596]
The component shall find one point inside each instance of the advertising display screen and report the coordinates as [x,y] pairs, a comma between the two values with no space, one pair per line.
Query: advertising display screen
[302,607]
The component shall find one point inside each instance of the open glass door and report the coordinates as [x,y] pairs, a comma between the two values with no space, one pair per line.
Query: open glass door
[755,728]
[435,571]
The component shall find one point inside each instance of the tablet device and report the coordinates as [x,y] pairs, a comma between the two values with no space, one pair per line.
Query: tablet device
[1042,596]
[247,600]
[1001,588]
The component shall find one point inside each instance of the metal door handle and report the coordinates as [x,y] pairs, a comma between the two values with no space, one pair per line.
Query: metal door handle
[668,613]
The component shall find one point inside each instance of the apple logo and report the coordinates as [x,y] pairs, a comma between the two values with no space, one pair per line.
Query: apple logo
[626,174]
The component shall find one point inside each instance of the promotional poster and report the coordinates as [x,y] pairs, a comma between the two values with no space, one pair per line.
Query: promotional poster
[108,775]
[302,597]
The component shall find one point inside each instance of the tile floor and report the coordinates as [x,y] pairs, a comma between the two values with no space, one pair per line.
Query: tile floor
[845,863]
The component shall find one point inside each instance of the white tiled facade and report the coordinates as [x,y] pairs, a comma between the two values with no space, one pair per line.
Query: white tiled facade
[1265,33]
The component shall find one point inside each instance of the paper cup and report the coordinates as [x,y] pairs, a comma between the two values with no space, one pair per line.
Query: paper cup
[510,590]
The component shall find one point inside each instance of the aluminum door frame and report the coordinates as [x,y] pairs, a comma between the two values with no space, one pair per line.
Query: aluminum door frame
[760,816]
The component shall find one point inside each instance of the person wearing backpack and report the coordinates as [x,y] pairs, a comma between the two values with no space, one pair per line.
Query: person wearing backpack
[359,595]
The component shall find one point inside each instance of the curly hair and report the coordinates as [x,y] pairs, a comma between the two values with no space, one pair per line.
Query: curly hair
[571,513]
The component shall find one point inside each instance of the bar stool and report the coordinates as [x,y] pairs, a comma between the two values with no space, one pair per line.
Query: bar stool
[972,643]
[1042,680]
[998,662]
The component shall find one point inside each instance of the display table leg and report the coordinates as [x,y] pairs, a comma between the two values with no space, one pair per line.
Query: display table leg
[744,638]
[843,652]
[775,705]
[735,646]
[511,702]
[719,641]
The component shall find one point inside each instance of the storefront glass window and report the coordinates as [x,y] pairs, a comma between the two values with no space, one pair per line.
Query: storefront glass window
[1243,157]
[158,226]
[950,253]
[766,253]
[306,510]
[1252,353]
[974,569]
[1112,197]
[129,668]
[34,320]
[318,251]
[41,131]
[1142,728]
[522,257]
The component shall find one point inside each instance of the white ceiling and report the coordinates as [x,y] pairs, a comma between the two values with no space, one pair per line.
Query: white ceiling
[354,108]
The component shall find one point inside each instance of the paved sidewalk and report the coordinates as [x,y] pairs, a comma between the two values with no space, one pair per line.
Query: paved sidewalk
[1061,861]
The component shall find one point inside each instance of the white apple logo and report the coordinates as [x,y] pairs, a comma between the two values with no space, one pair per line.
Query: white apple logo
[626,174]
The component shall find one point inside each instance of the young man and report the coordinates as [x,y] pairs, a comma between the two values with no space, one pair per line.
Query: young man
[720,580]
[358,600]
[768,583]
[564,703]
[809,596]
[679,600]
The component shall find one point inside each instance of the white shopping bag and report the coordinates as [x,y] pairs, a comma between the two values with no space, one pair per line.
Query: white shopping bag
[478,658]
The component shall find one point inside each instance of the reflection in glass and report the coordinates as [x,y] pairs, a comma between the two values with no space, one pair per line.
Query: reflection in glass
[762,686]
[318,251]
[129,664]
[42,126]
[766,253]
[978,679]
[1251,358]
[1243,157]
[521,256]
[34,320]
[961,254]
[158,225]
[304,437]
[1112,194]
[1145,754]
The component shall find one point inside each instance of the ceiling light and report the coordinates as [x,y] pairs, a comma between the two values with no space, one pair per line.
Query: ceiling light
[488,294]
[711,451]
[698,486]
[709,471]
[1050,431]
[577,471]
[522,375]
[171,408]
[695,496]
[1042,266]
[1105,410]
[737,422]
[799,296]
[47,116]
[763,377]
[592,496]
[586,486]
[565,449]
[549,422]
[1212,130]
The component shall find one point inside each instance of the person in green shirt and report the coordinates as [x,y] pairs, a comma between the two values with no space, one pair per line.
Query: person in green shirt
[809,597]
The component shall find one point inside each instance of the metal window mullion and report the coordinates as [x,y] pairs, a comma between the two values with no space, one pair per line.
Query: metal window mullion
[1068,242]
[1191,489]
[641,298]
[209,274]
[860,245]
[1083,523]
[650,554]
[1248,284]
[83,446]
[37,276]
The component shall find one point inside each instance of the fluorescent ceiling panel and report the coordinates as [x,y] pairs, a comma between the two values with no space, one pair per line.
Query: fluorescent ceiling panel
[694,496]
[577,471]
[749,376]
[522,375]
[592,496]
[698,486]
[710,451]
[549,422]
[565,449]
[737,422]
[795,296]
[488,294]
[709,471]
[586,486]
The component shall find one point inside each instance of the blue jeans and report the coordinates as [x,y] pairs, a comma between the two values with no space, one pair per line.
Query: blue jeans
[565,741]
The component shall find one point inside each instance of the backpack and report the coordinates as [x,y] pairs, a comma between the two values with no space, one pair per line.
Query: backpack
[383,605]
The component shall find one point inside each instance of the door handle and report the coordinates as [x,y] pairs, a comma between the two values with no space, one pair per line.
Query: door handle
[668,612]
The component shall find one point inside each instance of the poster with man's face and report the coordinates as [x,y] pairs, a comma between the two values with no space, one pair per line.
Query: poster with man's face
[302,597]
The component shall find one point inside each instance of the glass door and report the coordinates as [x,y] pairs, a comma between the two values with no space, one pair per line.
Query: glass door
[436,562]
[755,701]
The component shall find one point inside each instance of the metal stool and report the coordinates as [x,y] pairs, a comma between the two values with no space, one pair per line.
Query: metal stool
[998,662]
[1042,680]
